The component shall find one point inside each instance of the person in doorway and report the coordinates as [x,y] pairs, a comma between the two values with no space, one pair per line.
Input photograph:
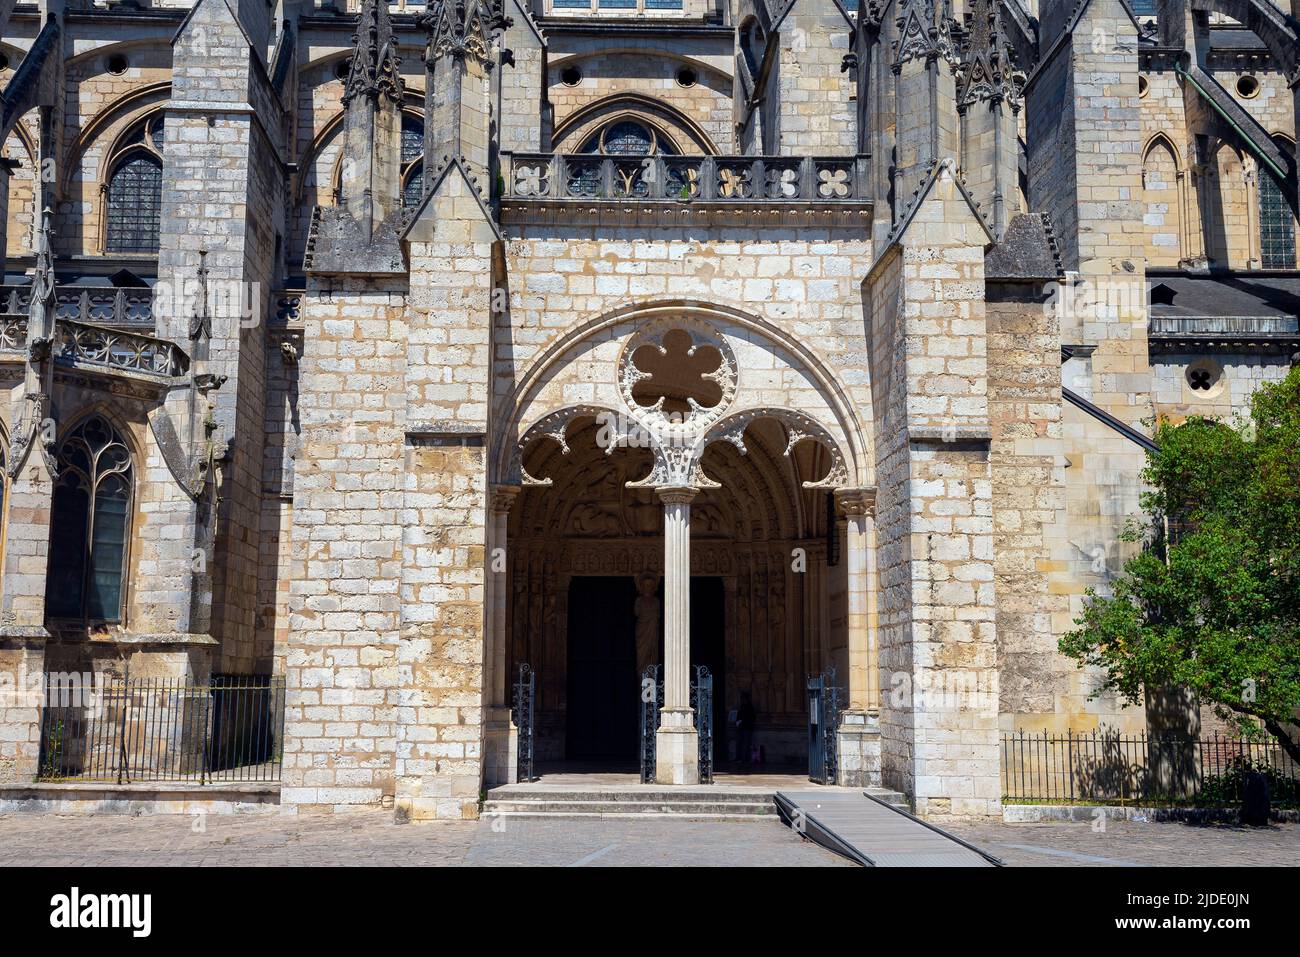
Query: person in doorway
[745,729]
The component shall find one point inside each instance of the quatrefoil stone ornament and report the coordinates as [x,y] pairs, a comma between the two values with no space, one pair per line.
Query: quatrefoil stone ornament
[833,184]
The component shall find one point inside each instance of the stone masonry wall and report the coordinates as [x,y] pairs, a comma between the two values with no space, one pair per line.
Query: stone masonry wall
[344,677]
[935,509]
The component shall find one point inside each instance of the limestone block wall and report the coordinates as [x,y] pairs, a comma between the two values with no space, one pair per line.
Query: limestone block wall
[1028,471]
[1238,377]
[22,191]
[706,104]
[22,663]
[934,511]
[274,540]
[439,767]
[801,279]
[817,111]
[341,652]
[521,86]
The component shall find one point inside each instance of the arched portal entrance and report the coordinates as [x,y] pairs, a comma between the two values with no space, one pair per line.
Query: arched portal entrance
[678,484]
[767,590]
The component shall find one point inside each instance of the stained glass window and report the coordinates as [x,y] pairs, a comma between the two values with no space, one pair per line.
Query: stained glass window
[412,139]
[134,204]
[1276,226]
[412,161]
[413,186]
[626,138]
[89,524]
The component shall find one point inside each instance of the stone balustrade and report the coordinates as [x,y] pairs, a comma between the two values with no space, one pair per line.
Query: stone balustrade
[103,305]
[719,179]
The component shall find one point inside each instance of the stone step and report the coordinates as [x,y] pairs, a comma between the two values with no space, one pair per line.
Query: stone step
[672,796]
[896,798]
[705,809]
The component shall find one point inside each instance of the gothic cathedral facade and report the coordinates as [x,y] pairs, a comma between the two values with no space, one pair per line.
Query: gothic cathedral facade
[398,351]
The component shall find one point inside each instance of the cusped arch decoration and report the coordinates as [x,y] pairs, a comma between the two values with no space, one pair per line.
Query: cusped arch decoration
[799,427]
[677,447]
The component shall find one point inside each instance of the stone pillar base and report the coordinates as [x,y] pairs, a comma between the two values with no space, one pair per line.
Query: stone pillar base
[500,748]
[677,748]
[22,669]
[857,748]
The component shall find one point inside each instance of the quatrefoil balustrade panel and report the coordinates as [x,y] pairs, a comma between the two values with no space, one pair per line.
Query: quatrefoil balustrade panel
[717,179]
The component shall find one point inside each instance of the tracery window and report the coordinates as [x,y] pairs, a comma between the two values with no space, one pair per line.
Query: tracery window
[412,161]
[1276,225]
[627,138]
[89,524]
[133,209]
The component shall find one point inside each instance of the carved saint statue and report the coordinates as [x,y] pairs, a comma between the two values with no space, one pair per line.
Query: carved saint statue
[647,622]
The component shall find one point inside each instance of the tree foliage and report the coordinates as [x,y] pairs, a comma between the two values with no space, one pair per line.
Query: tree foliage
[1212,602]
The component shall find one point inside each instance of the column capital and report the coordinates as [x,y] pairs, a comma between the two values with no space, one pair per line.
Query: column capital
[856,501]
[502,498]
[677,494]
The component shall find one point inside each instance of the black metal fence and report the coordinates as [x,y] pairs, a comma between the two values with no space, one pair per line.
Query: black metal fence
[163,729]
[1104,767]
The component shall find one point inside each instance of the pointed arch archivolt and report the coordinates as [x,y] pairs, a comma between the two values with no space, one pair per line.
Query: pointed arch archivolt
[777,378]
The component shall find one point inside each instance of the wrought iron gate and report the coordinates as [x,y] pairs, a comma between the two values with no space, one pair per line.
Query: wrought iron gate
[702,702]
[825,702]
[652,700]
[651,696]
[524,712]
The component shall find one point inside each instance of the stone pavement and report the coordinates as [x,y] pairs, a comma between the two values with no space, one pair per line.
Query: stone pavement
[372,838]
[1126,844]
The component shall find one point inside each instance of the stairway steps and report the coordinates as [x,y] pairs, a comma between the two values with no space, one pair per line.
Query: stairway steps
[697,803]
[631,808]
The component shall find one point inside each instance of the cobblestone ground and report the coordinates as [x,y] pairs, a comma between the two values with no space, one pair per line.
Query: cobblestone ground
[1125,844]
[371,838]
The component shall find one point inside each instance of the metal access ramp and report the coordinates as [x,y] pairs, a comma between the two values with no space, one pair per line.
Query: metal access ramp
[873,833]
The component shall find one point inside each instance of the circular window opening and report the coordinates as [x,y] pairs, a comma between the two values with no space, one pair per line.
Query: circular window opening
[341,68]
[1205,378]
[117,64]
[687,77]
[1144,86]
[571,76]
[1247,87]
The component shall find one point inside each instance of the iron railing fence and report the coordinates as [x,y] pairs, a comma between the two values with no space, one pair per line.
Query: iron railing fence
[1105,767]
[164,729]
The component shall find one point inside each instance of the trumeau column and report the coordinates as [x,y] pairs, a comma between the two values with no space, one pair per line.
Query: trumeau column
[677,742]
[500,734]
[858,741]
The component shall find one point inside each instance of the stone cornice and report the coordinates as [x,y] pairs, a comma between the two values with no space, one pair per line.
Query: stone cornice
[559,212]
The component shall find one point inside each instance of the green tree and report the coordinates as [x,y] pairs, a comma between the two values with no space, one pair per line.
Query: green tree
[1212,602]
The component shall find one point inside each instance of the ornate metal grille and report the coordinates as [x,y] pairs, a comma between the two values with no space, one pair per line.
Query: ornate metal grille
[525,717]
[702,702]
[824,707]
[652,702]
[134,205]
[652,699]
[1276,226]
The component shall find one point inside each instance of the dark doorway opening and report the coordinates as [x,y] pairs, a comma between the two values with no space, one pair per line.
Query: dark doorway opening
[602,718]
[709,648]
